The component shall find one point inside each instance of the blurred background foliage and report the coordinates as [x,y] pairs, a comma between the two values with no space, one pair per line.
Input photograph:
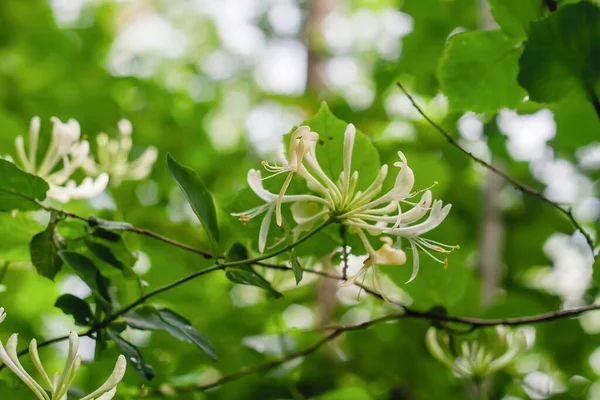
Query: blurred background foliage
[217,83]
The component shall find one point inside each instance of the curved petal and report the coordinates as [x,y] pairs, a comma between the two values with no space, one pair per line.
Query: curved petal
[418,211]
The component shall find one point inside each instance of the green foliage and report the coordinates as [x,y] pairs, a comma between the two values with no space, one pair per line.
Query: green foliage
[199,198]
[244,274]
[133,355]
[44,248]
[278,307]
[478,71]
[77,308]
[150,318]
[16,232]
[562,54]
[20,190]
[514,16]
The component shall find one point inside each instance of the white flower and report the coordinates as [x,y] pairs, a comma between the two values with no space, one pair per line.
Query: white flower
[271,202]
[59,384]
[113,157]
[476,360]
[2,314]
[363,212]
[66,149]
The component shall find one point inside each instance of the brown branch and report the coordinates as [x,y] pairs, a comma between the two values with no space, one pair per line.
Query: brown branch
[523,188]
[408,314]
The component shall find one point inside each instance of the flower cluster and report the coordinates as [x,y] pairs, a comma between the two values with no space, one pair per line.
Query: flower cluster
[60,382]
[113,157]
[476,360]
[67,153]
[363,212]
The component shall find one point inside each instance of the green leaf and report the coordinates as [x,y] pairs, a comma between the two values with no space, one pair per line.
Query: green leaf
[150,318]
[133,355]
[478,72]
[562,55]
[111,249]
[185,326]
[89,273]
[330,148]
[19,190]
[95,222]
[199,197]
[16,232]
[76,307]
[514,16]
[244,274]
[296,267]
[44,248]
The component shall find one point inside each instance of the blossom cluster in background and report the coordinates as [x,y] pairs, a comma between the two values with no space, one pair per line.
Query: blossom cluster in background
[67,153]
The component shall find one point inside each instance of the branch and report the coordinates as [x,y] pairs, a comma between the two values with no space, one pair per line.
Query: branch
[523,188]
[408,314]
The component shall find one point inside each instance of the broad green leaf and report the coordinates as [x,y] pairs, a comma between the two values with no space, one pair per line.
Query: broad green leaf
[44,248]
[434,285]
[245,274]
[76,307]
[133,355]
[478,72]
[110,248]
[562,55]
[89,273]
[20,190]
[95,222]
[330,148]
[16,232]
[514,16]
[198,196]
[150,318]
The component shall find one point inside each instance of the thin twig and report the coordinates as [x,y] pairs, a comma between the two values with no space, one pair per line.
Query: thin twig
[523,188]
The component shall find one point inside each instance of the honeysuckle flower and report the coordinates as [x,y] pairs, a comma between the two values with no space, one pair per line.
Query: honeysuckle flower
[364,212]
[301,143]
[2,314]
[476,359]
[271,201]
[59,384]
[66,149]
[113,157]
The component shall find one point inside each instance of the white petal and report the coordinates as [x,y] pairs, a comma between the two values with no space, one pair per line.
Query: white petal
[112,381]
[418,211]
[264,230]
[256,184]
[437,215]
[415,253]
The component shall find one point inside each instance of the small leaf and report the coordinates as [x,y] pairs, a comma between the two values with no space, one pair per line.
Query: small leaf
[76,307]
[89,273]
[195,337]
[133,355]
[296,267]
[478,72]
[562,54]
[244,274]
[20,190]
[110,248]
[199,197]
[149,318]
[44,250]
[95,222]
